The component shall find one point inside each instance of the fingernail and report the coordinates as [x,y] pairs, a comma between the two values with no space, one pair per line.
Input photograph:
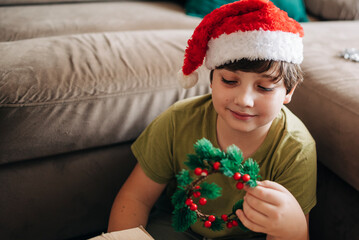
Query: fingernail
[238,212]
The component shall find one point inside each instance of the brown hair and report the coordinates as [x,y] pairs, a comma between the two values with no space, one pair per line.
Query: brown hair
[290,73]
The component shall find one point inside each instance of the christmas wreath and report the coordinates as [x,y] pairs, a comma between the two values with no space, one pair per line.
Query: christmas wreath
[191,192]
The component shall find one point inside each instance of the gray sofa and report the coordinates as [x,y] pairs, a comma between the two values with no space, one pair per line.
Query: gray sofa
[79,80]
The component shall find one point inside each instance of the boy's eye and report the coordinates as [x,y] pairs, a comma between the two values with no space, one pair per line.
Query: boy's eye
[228,82]
[265,89]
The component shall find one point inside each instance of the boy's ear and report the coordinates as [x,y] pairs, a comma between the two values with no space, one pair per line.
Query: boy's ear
[289,95]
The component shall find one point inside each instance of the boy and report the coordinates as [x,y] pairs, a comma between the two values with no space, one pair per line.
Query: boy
[254,51]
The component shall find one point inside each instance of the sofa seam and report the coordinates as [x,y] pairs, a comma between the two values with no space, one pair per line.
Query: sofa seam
[63,102]
[129,31]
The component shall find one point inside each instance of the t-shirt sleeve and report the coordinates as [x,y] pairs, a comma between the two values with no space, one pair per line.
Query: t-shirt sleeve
[153,148]
[299,175]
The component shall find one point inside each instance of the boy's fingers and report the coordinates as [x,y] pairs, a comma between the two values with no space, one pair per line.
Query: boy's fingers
[272,185]
[266,184]
[255,210]
[248,223]
[246,187]
[263,207]
[267,191]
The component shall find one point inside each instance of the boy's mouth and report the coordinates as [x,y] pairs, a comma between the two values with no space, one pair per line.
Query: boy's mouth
[242,115]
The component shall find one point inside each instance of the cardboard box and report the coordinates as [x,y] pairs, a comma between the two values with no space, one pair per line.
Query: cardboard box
[138,233]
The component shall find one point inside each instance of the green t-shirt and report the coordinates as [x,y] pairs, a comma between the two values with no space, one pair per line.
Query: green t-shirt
[287,156]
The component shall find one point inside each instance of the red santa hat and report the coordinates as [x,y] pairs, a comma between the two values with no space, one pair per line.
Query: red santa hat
[250,29]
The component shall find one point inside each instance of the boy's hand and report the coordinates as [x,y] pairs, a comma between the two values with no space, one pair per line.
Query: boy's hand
[270,208]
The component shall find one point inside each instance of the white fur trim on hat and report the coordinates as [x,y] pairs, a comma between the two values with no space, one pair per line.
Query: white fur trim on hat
[254,45]
[187,81]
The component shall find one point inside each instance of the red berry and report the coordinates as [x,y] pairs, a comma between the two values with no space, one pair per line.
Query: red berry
[237,176]
[207,224]
[234,223]
[204,172]
[203,201]
[211,218]
[246,177]
[193,207]
[196,194]
[229,225]
[224,217]
[216,165]
[197,187]
[189,202]
[239,185]
[198,171]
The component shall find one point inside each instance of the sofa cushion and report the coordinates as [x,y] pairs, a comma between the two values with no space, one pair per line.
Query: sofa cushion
[200,8]
[328,99]
[295,9]
[68,93]
[334,9]
[28,2]
[34,21]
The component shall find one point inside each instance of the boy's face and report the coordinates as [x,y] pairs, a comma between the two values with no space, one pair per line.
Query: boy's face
[247,101]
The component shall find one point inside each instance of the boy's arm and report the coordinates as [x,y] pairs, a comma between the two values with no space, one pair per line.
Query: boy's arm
[134,201]
[270,208]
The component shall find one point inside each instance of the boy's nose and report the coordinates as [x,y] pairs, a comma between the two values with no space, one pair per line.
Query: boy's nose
[244,99]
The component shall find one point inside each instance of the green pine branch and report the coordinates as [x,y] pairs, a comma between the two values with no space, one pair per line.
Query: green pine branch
[252,168]
[217,225]
[210,190]
[205,153]
[203,148]
[183,218]
[194,161]
[178,199]
[183,178]
[237,205]
[235,154]
[232,163]
[229,167]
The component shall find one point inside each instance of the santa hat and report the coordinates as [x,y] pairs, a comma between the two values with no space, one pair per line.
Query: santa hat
[250,29]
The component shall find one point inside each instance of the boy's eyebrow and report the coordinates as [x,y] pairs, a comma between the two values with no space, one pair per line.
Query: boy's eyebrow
[270,77]
[264,75]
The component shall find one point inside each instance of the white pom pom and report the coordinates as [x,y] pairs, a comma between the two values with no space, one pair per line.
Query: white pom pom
[187,81]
